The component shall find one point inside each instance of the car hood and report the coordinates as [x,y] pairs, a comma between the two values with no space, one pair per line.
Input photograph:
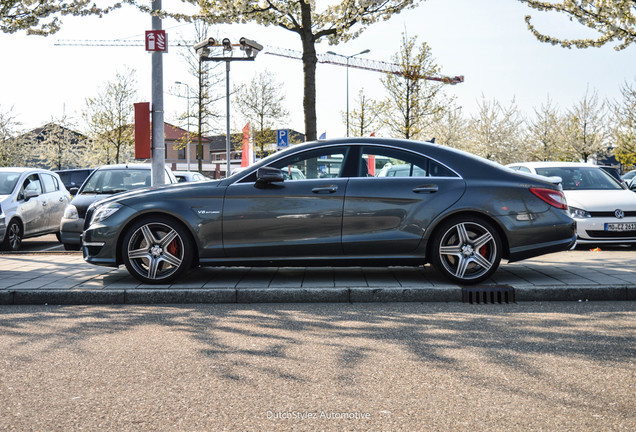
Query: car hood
[81,202]
[176,190]
[601,200]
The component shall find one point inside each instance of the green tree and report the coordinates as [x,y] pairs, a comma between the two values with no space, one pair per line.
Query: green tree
[261,101]
[412,101]
[41,17]
[364,117]
[624,122]
[110,119]
[337,22]
[585,129]
[615,20]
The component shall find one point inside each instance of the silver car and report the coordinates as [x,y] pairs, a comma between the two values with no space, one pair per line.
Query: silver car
[32,202]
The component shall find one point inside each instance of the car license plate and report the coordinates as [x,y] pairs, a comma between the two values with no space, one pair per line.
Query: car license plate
[620,227]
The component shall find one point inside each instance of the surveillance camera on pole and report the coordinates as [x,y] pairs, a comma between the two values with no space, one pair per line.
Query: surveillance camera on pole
[250,47]
[203,48]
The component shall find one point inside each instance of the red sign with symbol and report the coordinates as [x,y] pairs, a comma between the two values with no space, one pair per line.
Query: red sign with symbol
[156,40]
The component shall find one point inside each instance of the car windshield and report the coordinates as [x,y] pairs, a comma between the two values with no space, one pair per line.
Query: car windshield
[581,178]
[112,181]
[8,180]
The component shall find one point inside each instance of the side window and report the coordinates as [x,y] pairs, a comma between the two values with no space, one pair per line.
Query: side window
[49,182]
[312,164]
[323,163]
[32,183]
[388,162]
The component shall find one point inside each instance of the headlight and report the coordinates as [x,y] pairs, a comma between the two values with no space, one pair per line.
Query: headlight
[105,212]
[578,213]
[71,212]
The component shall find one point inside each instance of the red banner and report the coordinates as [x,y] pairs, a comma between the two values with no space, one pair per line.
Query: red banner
[142,130]
[246,158]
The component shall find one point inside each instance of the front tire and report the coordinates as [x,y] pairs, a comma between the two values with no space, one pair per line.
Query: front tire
[13,237]
[466,249]
[157,250]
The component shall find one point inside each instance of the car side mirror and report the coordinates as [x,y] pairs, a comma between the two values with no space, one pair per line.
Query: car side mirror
[73,191]
[30,194]
[269,175]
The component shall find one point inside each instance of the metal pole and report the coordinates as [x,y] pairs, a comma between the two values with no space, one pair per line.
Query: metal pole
[227,117]
[348,95]
[158,143]
[188,143]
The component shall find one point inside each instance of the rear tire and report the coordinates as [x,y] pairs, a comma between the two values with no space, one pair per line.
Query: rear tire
[157,250]
[466,249]
[13,237]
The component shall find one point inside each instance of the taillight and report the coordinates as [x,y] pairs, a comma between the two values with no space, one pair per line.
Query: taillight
[553,197]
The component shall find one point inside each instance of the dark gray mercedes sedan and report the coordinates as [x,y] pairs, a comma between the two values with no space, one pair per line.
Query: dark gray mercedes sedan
[349,207]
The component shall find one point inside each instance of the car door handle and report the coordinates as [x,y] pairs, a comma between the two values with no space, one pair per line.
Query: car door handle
[325,189]
[44,203]
[62,199]
[426,189]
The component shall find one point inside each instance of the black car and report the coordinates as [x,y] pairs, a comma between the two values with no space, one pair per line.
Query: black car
[103,182]
[459,212]
[73,178]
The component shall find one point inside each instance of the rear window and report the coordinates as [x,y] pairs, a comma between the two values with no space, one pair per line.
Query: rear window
[581,178]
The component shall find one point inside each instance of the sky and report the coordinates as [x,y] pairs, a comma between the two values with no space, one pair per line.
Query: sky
[486,41]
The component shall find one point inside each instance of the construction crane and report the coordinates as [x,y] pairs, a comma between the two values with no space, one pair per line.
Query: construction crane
[357,62]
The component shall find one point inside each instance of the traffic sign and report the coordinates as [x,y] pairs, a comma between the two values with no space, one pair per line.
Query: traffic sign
[282,137]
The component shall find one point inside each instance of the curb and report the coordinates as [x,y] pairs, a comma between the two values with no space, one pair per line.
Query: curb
[303,295]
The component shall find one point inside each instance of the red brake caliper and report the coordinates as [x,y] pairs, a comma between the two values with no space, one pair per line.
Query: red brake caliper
[482,251]
[173,248]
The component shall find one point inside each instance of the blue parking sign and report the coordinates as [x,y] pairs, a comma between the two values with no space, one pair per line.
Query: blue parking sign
[282,137]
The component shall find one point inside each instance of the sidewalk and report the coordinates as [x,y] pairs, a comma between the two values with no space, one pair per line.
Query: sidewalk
[64,278]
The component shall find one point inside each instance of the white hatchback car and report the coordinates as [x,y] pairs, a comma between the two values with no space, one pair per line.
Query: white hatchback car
[604,209]
[32,202]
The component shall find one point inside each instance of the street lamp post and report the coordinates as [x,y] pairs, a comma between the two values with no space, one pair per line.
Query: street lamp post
[250,49]
[348,58]
[188,114]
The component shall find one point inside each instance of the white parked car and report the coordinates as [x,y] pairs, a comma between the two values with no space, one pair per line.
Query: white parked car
[189,176]
[32,202]
[604,209]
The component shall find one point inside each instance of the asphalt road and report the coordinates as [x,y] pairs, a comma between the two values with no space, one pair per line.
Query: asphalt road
[375,367]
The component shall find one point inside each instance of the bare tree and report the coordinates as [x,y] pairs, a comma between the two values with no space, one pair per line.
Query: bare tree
[495,132]
[207,77]
[584,128]
[110,118]
[365,116]
[449,127]
[544,135]
[624,125]
[412,101]
[261,101]
[10,152]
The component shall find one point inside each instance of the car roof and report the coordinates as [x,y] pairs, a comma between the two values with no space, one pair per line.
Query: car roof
[23,169]
[126,166]
[553,164]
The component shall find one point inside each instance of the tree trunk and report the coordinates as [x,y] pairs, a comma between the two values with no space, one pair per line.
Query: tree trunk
[309,71]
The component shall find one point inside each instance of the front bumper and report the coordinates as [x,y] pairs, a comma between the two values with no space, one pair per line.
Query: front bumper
[71,231]
[595,230]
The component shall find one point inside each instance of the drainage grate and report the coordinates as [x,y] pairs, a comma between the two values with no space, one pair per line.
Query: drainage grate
[488,294]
